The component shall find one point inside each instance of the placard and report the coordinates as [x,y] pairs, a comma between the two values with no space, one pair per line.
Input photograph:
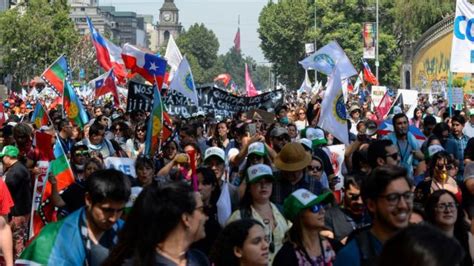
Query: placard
[125,165]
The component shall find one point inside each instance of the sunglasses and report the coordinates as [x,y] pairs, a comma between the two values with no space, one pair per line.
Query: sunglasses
[317,168]
[317,208]
[257,120]
[141,130]
[353,196]
[393,156]
[82,153]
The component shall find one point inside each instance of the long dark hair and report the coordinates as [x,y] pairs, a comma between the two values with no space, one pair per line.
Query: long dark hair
[233,235]
[461,228]
[155,214]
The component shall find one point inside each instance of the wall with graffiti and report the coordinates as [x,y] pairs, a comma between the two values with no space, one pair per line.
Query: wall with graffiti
[431,67]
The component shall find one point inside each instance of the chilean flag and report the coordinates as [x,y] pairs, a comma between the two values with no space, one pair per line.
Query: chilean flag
[368,75]
[108,54]
[104,84]
[149,66]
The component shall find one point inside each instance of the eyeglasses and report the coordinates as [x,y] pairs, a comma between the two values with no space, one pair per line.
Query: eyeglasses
[441,166]
[449,167]
[446,206]
[393,156]
[82,153]
[141,130]
[317,168]
[394,198]
[318,207]
[257,120]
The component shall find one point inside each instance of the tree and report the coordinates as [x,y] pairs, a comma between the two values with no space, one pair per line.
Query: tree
[34,35]
[201,42]
[283,31]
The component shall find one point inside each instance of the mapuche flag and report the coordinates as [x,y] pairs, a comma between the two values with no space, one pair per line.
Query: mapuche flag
[39,117]
[56,75]
[73,107]
[155,125]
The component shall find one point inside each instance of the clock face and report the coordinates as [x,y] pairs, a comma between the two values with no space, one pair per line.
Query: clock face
[166,16]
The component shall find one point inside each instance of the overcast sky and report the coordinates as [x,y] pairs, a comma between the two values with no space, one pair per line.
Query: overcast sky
[218,15]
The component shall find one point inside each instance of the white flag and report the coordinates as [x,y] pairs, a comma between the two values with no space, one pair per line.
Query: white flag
[333,110]
[330,55]
[183,81]
[462,51]
[306,85]
[223,204]
[173,56]
[359,80]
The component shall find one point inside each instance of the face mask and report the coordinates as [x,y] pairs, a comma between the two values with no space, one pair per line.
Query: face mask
[284,120]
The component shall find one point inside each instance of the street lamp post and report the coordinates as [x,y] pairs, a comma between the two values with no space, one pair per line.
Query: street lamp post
[315,38]
[377,42]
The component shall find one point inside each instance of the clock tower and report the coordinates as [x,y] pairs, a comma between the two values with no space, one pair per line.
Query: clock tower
[168,23]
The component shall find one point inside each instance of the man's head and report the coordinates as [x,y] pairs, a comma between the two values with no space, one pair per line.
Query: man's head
[400,124]
[457,123]
[79,154]
[97,111]
[441,130]
[281,114]
[354,112]
[279,138]
[214,158]
[187,134]
[291,161]
[429,122]
[382,152]
[9,155]
[107,192]
[22,133]
[352,199]
[65,128]
[388,197]
[96,133]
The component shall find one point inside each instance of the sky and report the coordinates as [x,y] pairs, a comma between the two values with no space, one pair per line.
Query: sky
[220,16]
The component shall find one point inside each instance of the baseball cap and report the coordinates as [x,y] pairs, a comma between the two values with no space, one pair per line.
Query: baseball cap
[433,149]
[306,143]
[257,148]
[278,131]
[471,111]
[214,151]
[10,151]
[303,199]
[316,135]
[257,172]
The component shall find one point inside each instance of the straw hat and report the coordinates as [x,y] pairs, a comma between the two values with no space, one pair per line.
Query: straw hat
[292,157]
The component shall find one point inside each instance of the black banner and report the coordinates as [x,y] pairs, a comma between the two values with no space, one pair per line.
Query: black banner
[211,100]
[140,97]
[220,103]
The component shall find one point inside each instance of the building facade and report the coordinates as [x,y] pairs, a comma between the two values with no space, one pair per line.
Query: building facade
[168,23]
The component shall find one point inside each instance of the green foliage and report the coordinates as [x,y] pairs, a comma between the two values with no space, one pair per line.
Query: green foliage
[287,25]
[34,35]
[202,43]
[284,31]
[459,83]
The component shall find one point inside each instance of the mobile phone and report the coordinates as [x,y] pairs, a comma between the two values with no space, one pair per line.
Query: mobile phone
[252,129]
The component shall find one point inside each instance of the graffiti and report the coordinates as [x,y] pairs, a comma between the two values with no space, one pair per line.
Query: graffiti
[436,65]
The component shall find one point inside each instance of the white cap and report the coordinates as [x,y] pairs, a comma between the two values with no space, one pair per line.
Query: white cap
[214,151]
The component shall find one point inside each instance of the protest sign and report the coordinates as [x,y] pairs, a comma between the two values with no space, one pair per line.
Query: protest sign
[456,96]
[220,103]
[125,165]
[377,94]
[410,97]
[336,156]
[140,97]
[462,51]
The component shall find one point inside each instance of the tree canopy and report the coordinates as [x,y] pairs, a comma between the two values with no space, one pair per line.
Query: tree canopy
[287,25]
[34,35]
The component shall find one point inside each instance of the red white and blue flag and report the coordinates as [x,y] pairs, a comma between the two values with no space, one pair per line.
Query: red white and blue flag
[108,54]
[368,75]
[149,66]
[104,84]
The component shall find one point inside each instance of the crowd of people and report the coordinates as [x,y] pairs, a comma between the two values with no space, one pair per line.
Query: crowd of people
[244,190]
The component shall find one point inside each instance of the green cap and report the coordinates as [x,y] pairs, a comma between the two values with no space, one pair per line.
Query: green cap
[257,148]
[259,171]
[10,151]
[303,199]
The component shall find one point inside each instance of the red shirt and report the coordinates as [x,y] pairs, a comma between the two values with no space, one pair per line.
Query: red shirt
[6,201]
